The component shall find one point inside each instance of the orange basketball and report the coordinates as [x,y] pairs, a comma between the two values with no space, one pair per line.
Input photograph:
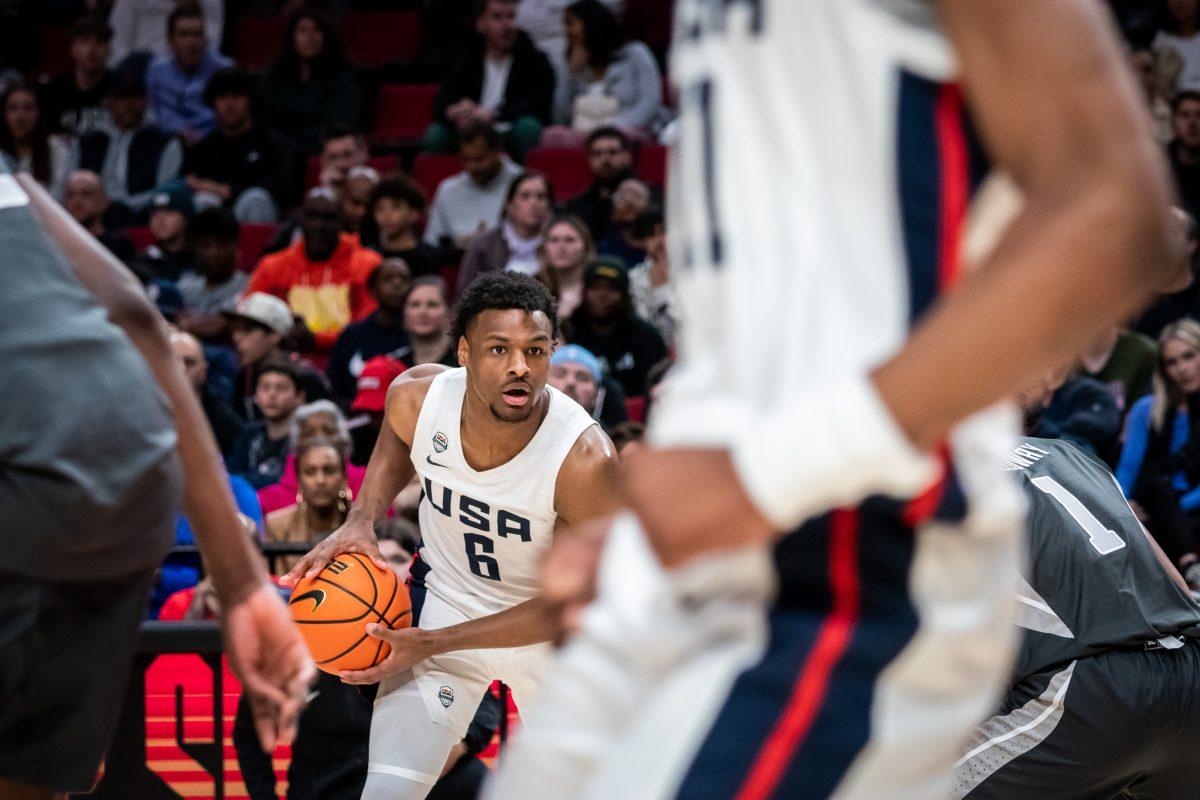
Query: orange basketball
[334,608]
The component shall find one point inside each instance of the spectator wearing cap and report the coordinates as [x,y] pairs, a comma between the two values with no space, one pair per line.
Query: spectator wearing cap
[513,245]
[606,324]
[631,199]
[610,159]
[140,26]
[132,155]
[242,165]
[176,82]
[171,253]
[258,327]
[323,276]
[390,226]
[468,203]
[310,85]
[214,284]
[73,102]
[260,452]
[502,79]
[577,373]
[85,200]
[650,281]
[382,331]
[370,401]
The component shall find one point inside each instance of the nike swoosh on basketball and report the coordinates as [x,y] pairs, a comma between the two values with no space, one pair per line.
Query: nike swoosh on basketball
[316,594]
[429,460]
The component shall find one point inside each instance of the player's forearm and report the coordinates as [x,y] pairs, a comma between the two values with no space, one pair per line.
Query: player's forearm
[1069,266]
[524,624]
[388,472]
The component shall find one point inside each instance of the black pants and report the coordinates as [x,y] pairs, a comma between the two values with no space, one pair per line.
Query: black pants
[1123,724]
[1171,527]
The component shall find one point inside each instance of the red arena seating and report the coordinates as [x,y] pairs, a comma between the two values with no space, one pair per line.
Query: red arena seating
[652,164]
[635,407]
[53,49]
[252,240]
[567,169]
[375,39]
[403,113]
[140,237]
[430,169]
[384,165]
[256,41]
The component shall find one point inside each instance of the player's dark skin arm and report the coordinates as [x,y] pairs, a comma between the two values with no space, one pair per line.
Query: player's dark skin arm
[263,645]
[1090,247]
[586,489]
[389,470]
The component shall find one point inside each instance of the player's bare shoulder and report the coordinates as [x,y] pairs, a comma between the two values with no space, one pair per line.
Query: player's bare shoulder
[405,397]
[588,481]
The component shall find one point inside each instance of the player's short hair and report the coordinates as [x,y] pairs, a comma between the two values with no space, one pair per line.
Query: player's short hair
[91,26]
[185,9]
[480,131]
[280,367]
[500,291]
[213,223]
[608,132]
[1182,97]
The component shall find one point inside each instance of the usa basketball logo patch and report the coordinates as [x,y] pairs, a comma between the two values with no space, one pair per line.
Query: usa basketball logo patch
[446,695]
[440,442]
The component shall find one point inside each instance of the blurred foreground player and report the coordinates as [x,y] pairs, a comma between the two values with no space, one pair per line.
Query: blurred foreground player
[505,461]
[825,170]
[1105,698]
[90,483]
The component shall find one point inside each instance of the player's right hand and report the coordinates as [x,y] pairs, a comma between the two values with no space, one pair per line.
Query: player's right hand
[352,537]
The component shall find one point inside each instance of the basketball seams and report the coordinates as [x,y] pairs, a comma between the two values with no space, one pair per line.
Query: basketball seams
[371,575]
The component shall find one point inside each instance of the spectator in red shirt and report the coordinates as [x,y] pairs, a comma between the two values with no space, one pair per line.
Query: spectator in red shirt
[323,276]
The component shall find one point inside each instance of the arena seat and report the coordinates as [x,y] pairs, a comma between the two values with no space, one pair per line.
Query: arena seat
[256,41]
[141,238]
[53,49]
[385,165]
[430,169]
[374,39]
[652,164]
[252,240]
[403,112]
[450,277]
[650,21]
[635,407]
[566,168]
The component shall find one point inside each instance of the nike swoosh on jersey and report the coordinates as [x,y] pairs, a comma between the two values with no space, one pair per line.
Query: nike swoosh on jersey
[317,595]
[430,460]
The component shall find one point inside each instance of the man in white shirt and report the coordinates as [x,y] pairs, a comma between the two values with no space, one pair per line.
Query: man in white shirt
[470,202]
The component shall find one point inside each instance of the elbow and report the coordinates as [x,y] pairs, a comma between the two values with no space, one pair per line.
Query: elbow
[133,313]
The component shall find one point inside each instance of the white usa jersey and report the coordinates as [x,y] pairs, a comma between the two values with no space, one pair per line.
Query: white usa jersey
[483,533]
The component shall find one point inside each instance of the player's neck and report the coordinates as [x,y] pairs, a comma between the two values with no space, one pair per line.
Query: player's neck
[489,442]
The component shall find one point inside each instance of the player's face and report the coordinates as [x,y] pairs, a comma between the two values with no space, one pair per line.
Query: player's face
[320,477]
[276,396]
[399,558]
[507,354]
[564,247]
[21,114]
[1187,123]
[1181,362]
[576,383]
[316,425]
[608,158]
[425,312]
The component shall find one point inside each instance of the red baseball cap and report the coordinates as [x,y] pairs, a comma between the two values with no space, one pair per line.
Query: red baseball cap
[373,382]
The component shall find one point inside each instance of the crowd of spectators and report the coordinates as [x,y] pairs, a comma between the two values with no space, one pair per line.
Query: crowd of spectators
[305,266]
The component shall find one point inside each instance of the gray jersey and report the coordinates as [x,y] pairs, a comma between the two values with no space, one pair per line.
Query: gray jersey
[1093,582]
[88,477]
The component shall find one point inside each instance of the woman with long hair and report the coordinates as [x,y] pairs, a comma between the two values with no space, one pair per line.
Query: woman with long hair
[566,251]
[512,246]
[609,81]
[310,85]
[1159,469]
[25,138]
[322,499]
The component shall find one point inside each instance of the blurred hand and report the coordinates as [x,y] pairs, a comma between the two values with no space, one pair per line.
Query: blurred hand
[569,572]
[267,654]
[409,646]
[353,537]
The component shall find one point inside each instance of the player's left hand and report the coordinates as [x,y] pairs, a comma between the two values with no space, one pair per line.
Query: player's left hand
[268,655]
[409,646]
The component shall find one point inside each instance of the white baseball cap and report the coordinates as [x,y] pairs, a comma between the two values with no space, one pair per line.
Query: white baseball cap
[265,309]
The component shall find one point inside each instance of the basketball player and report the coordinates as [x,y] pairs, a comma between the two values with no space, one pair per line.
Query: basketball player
[89,488]
[1106,691]
[503,459]
[824,172]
